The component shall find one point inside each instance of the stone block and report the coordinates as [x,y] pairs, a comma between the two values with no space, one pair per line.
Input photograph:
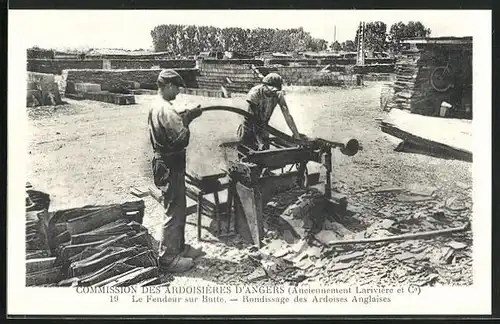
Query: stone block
[87,87]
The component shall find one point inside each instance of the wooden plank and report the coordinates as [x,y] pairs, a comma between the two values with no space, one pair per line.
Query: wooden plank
[428,146]
[44,277]
[149,282]
[110,271]
[139,192]
[68,251]
[35,265]
[114,278]
[134,278]
[35,254]
[83,267]
[143,259]
[431,147]
[249,214]
[94,220]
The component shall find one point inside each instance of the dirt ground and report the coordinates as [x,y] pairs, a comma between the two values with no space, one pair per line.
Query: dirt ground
[88,152]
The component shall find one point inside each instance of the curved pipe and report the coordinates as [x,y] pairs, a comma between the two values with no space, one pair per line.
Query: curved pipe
[271,130]
[348,147]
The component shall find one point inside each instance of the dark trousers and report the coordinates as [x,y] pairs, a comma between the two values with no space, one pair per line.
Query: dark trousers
[252,137]
[169,177]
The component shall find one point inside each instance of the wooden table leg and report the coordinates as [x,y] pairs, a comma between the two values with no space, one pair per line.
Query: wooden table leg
[217,213]
[230,201]
[200,197]
[229,210]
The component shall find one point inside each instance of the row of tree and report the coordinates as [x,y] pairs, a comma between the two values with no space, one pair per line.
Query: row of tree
[378,39]
[189,39]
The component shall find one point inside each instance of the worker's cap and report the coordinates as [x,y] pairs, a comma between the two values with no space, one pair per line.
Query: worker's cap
[170,76]
[273,80]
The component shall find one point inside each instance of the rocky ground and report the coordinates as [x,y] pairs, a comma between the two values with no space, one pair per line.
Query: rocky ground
[87,152]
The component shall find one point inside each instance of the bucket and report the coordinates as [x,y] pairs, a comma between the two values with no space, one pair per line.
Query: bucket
[444,109]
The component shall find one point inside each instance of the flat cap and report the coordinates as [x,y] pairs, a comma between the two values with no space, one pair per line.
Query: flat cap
[169,75]
[273,80]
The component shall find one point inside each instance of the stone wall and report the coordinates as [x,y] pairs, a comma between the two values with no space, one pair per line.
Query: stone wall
[311,76]
[57,66]
[234,77]
[374,68]
[148,64]
[116,79]
[234,62]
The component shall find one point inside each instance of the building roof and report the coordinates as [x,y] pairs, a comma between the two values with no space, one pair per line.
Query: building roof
[439,40]
[110,51]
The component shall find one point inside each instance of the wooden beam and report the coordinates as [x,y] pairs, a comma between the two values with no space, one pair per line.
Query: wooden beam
[432,147]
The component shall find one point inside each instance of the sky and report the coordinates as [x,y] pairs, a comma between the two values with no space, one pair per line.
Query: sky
[130,29]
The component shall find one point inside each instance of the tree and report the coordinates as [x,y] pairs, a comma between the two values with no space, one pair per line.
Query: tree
[335,46]
[375,39]
[317,45]
[348,46]
[400,31]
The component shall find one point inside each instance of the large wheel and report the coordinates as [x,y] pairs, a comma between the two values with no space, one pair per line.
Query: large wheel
[441,79]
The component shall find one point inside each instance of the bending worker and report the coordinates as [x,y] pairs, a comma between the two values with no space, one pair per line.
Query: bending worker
[169,134]
[261,102]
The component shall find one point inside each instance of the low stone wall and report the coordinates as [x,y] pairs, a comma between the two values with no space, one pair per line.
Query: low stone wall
[297,75]
[233,62]
[291,62]
[368,61]
[111,80]
[375,68]
[311,76]
[389,77]
[57,66]
[148,64]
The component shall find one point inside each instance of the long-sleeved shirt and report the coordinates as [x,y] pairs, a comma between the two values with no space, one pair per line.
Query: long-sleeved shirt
[166,128]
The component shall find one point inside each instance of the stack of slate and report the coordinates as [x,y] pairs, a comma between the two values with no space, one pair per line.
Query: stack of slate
[101,245]
[233,77]
[406,77]
[42,90]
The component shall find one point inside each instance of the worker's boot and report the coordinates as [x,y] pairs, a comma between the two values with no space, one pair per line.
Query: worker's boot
[178,265]
[191,252]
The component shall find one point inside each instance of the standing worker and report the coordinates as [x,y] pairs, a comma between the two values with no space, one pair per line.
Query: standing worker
[261,102]
[169,134]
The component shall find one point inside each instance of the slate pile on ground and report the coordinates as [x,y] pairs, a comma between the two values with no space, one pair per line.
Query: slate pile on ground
[438,260]
[97,245]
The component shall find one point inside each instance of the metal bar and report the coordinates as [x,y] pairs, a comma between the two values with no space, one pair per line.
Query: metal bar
[412,236]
